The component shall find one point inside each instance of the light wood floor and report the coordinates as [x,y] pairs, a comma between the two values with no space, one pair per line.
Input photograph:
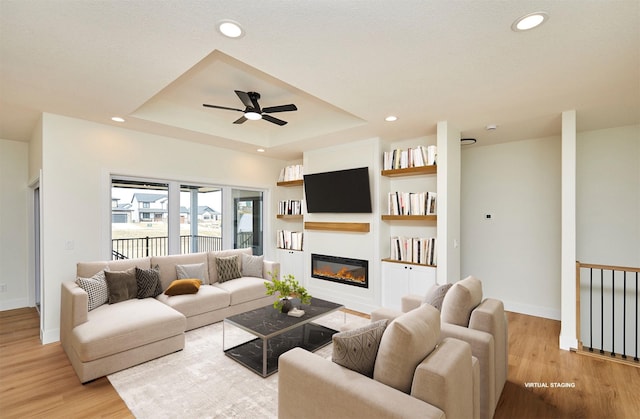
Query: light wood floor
[38,381]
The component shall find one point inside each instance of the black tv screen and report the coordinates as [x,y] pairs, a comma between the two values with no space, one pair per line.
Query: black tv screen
[342,191]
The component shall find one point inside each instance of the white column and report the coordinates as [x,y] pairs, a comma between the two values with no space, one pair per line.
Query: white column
[568,338]
[448,185]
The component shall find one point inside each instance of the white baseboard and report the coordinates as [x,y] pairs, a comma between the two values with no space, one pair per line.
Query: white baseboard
[13,304]
[531,310]
[49,336]
[568,342]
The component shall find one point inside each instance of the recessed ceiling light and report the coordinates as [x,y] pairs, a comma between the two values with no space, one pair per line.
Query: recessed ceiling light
[529,21]
[491,127]
[467,141]
[230,29]
[391,118]
[260,150]
[117,119]
[253,116]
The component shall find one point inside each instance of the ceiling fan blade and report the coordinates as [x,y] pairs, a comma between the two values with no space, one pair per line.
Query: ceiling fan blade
[222,107]
[281,108]
[240,120]
[244,97]
[273,120]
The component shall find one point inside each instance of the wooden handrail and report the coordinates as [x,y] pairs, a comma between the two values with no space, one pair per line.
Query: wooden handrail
[607,267]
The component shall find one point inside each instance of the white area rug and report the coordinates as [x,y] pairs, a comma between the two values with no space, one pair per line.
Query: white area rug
[201,382]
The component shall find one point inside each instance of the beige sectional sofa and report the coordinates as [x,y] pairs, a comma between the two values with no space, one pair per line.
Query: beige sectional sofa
[112,337]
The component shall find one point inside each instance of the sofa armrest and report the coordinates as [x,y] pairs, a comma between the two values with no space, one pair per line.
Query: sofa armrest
[384,313]
[411,302]
[446,379]
[483,348]
[310,386]
[74,309]
[489,317]
[270,267]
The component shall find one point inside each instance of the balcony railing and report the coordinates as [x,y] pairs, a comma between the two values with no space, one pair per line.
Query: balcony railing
[158,246]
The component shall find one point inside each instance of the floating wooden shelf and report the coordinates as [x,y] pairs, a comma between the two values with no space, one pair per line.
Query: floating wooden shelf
[289,216]
[297,182]
[353,227]
[411,171]
[408,263]
[431,217]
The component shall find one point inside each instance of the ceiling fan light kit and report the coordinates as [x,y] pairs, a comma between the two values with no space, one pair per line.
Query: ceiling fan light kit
[253,111]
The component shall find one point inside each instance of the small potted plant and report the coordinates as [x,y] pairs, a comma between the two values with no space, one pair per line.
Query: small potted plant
[287,288]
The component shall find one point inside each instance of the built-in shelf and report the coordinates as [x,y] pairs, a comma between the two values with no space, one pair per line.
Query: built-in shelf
[407,263]
[289,216]
[297,182]
[352,227]
[411,171]
[431,217]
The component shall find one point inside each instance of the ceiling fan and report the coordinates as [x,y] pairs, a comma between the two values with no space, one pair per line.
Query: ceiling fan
[253,111]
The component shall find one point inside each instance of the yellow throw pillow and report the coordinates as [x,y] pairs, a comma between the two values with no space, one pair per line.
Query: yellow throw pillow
[183,286]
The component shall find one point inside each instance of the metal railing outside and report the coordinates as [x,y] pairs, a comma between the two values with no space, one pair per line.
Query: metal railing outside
[158,246]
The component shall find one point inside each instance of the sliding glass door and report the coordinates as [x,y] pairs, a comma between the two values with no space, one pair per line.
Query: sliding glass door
[247,223]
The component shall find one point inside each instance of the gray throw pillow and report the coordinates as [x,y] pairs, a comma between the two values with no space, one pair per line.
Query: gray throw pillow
[191,271]
[148,282]
[96,289]
[252,265]
[228,268]
[122,285]
[357,349]
[436,294]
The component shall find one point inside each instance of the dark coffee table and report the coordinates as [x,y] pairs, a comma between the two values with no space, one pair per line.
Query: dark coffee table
[277,333]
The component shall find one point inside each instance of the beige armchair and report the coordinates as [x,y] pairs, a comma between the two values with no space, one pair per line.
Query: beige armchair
[416,375]
[481,323]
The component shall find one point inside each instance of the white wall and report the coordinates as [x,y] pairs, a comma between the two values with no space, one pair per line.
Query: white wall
[608,196]
[608,230]
[78,158]
[516,253]
[14,193]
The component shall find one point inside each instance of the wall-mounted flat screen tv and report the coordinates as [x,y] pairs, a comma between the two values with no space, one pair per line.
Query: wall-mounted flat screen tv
[342,191]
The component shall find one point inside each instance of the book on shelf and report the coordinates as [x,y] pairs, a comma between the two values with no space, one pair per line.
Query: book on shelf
[290,240]
[412,157]
[412,203]
[414,250]
[293,172]
[290,207]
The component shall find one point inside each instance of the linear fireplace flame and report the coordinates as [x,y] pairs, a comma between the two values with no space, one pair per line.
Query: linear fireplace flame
[339,269]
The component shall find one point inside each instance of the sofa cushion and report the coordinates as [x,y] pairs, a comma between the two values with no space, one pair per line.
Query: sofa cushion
[356,349]
[191,271]
[148,282]
[243,289]
[436,294]
[460,300]
[406,341]
[207,299]
[213,266]
[167,265]
[183,286]
[228,268]
[130,324]
[122,285]
[252,265]
[96,289]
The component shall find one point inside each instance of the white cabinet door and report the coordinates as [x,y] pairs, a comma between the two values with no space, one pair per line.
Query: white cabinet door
[292,262]
[395,284]
[421,278]
[399,280]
